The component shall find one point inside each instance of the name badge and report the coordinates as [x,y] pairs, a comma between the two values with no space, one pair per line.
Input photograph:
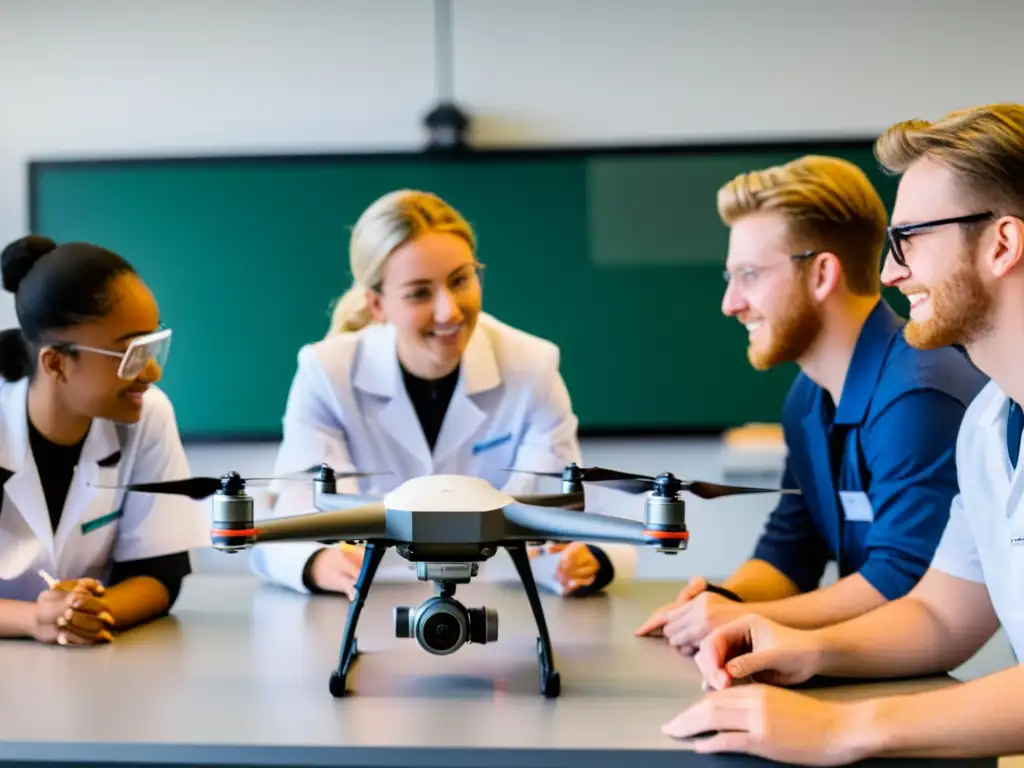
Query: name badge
[856,506]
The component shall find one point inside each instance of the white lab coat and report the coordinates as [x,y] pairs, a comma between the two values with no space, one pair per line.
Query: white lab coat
[97,526]
[348,407]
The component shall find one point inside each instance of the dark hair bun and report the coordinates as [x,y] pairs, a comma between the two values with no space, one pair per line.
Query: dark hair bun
[18,258]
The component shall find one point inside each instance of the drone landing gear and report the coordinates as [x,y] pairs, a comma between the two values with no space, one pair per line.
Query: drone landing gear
[550,681]
[372,556]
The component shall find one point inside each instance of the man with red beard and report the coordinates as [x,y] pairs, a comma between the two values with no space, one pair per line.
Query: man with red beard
[956,249]
[870,423]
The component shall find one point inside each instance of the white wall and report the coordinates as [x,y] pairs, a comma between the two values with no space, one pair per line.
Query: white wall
[199,76]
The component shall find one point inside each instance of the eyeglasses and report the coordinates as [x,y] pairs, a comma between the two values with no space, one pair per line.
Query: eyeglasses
[151,346]
[898,234]
[748,275]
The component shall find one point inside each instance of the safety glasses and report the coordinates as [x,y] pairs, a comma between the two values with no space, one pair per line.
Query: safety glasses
[151,346]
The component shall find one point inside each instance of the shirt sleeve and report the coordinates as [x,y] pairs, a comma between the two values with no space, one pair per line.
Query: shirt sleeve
[791,541]
[312,435]
[910,451]
[957,553]
[155,524]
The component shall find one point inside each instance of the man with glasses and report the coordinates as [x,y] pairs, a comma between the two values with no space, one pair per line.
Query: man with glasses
[870,423]
[957,252]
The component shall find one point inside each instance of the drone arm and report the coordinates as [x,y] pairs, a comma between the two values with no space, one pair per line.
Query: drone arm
[354,524]
[530,523]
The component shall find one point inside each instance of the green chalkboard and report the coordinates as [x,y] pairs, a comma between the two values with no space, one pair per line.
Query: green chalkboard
[615,254]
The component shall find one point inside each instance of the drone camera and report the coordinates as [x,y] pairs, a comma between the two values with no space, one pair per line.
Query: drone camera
[233,520]
[442,625]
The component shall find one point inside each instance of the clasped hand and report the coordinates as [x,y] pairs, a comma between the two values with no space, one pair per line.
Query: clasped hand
[73,613]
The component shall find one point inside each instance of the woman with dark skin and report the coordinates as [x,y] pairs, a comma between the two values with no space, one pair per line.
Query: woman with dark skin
[80,559]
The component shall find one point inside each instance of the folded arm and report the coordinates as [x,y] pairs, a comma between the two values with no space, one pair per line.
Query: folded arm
[17,617]
[141,590]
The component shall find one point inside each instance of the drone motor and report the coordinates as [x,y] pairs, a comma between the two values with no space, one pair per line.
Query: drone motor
[442,625]
[233,516]
[665,515]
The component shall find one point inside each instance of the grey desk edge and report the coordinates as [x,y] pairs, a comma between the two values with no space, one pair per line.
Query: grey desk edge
[79,754]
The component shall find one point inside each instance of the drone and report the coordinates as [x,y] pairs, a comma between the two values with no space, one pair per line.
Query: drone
[447,525]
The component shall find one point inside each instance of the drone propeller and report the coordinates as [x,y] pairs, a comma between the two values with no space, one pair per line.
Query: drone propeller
[634,483]
[200,487]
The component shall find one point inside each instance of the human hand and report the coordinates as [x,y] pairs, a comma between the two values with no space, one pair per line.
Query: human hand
[657,620]
[336,569]
[687,624]
[72,613]
[775,724]
[753,646]
[577,567]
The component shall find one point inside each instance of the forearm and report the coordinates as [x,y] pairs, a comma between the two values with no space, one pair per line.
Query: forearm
[135,601]
[979,718]
[846,599]
[16,618]
[867,646]
[758,581]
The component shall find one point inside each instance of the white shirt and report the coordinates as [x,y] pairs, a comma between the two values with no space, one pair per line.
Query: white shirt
[984,539]
[97,525]
[348,407]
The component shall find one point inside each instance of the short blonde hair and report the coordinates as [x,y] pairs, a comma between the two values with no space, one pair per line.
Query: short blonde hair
[389,222]
[830,204]
[983,146]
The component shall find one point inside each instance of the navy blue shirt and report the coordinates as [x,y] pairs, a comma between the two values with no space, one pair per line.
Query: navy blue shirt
[892,440]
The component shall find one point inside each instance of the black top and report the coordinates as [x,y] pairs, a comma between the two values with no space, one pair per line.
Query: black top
[430,398]
[56,467]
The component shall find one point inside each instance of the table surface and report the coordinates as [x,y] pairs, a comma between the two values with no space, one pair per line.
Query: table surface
[239,675]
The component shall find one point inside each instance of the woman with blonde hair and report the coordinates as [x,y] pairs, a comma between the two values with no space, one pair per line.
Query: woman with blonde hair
[412,379]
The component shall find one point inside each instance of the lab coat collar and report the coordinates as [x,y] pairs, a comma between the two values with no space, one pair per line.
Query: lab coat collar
[997,411]
[378,371]
[873,344]
[100,453]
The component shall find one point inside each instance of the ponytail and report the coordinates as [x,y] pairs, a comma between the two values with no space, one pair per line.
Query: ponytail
[351,312]
[15,355]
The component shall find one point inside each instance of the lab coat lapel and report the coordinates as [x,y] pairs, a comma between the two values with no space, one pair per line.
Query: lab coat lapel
[378,374]
[478,373]
[23,487]
[97,466]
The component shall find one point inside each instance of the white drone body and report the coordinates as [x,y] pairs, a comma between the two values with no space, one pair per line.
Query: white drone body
[446,493]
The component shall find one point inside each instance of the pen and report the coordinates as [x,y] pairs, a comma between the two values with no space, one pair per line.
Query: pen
[50,581]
